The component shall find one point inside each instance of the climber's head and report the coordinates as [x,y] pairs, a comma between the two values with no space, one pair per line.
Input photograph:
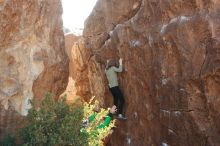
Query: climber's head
[112,62]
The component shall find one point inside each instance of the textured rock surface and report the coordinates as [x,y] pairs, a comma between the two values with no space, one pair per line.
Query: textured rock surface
[72,45]
[80,69]
[32,55]
[171,53]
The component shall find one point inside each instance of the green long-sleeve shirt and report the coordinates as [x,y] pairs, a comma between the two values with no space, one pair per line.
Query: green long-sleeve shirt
[105,123]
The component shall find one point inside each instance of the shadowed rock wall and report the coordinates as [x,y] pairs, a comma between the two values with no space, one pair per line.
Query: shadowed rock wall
[32,56]
[171,51]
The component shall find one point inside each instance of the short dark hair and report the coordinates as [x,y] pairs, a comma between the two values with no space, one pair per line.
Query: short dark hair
[112,62]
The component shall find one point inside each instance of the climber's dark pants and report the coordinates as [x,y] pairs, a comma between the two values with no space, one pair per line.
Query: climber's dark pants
[118,98]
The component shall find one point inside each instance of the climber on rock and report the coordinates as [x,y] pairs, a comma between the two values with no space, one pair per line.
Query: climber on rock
[111,70]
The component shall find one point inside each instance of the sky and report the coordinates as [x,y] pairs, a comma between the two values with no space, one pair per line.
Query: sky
[75,13]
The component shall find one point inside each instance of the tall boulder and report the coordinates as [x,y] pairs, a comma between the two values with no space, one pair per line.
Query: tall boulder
[172,70]
[32,56]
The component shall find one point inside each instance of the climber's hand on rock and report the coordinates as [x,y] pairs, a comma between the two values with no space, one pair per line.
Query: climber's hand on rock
[120,61]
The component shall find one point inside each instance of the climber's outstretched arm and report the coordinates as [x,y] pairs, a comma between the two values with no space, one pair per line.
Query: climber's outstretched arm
[120,68]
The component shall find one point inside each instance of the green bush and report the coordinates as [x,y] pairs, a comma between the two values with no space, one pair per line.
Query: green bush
[8,140]
[96,135]
[54,123]
[58,124]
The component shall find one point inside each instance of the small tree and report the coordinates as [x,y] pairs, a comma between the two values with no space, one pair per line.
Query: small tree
[56,124]
[96,135]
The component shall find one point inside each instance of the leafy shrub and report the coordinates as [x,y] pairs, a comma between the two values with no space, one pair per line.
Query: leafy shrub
[58,124]
[54,123]
[8,140]
[96,135]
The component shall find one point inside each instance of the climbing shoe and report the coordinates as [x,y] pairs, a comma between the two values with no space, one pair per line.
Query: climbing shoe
[121,117]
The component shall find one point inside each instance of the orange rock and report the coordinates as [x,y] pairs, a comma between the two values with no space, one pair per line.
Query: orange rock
[32,56]
[171,54]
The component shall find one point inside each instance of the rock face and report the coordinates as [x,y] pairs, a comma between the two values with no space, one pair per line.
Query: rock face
[81,59]
[171,51]
[72,47]
[32,55]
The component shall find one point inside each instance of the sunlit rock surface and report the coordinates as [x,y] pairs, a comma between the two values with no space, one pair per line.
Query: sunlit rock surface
[82,63]
[32,56]
[171,51]
[70,91]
